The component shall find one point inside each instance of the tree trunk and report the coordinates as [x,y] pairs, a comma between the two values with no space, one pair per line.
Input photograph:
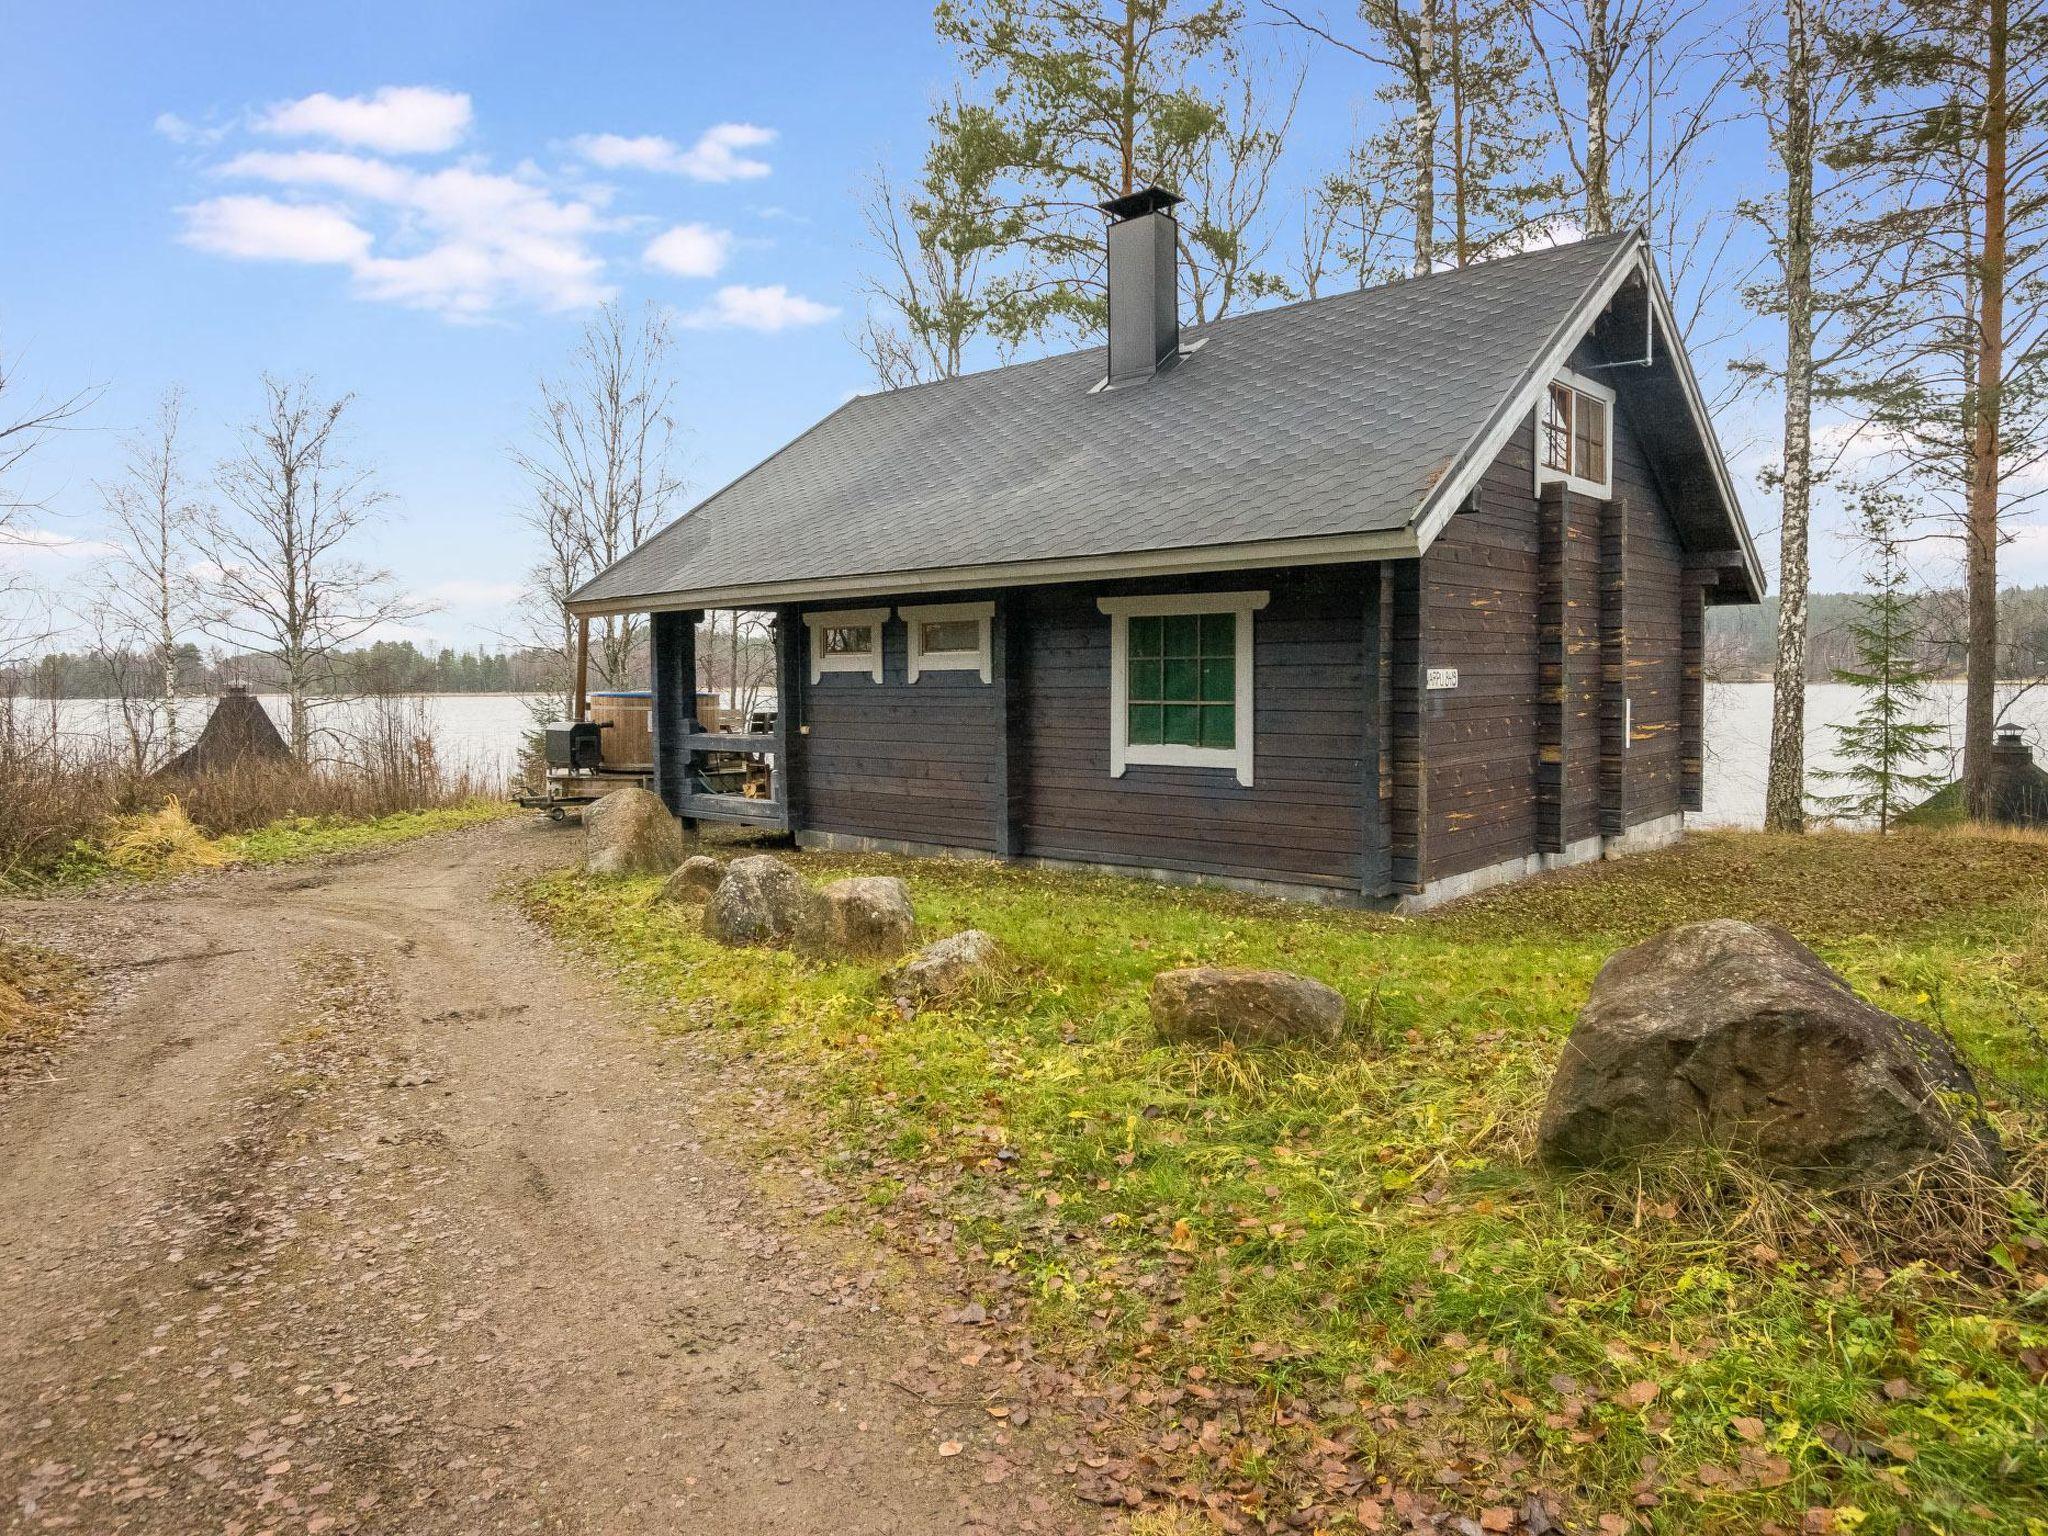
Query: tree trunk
[1461,171]
[1425,142]
[1785,791]
[1981,505]
[1599,85]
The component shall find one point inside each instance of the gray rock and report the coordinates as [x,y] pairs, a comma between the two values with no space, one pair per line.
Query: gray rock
[1208,1005]
[948,968]
[693,882]
[761,900]
[866,917]
[630,832]
[1733,1033]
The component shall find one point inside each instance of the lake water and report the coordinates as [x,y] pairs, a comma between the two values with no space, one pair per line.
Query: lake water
[482,731]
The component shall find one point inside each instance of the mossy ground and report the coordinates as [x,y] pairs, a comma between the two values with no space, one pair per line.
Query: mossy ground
[306,837]
[1358,1243]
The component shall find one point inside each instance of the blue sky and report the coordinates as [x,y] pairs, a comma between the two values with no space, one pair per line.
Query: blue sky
[458,182]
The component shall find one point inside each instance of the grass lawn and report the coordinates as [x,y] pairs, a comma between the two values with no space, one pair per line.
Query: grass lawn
[1312,1267]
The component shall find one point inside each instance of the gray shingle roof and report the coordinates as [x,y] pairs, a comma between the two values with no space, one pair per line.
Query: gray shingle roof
[1330,417]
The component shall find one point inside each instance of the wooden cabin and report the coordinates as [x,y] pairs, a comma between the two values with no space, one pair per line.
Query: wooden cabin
[1378,598]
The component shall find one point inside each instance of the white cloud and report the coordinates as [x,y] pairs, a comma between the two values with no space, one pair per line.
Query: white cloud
[770,308]
[355,175]
[395,120]
[462,240]
[689,250]
[447,233]
[180,130]
[718,154]
[263,229]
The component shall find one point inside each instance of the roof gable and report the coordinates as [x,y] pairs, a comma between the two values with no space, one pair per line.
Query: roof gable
[1337,428]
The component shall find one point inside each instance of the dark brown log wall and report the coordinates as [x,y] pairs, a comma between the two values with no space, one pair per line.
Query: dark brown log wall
[911,762]
[1526,691]
[1302,821]
[1656,675]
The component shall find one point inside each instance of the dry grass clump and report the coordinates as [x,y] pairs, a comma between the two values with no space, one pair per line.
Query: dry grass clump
[1822,886]
[1948,1217]
[161,842]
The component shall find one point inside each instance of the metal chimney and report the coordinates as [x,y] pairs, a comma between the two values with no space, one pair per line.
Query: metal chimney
[1144,294]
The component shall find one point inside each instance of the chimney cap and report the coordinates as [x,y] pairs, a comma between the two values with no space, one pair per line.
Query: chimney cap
[1132,204]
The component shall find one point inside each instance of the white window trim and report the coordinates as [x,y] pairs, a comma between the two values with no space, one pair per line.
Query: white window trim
[869,661]
[1602,488]
[922,661]
[1121,611]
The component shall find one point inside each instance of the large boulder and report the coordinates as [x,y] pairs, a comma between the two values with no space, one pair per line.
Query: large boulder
[1209,1005]
[693,882]
[1736,1034]
[945,969]
[761,900]
[866,917]
[630,832]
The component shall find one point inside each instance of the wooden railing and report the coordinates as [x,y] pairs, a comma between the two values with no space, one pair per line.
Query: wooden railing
[707,805]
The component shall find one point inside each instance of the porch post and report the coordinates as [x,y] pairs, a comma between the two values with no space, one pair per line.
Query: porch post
[672,652]
[1376,864]
[790,635]
[582,667]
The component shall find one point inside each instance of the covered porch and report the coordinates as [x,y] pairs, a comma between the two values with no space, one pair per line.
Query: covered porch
[692,763]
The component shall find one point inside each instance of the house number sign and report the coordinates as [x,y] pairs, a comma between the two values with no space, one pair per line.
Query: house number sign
[1443,677]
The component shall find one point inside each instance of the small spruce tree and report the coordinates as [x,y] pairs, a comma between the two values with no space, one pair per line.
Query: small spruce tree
[1887,743]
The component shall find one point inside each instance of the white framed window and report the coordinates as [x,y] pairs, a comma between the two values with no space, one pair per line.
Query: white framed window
[847,640]
[1575,435]
[1180,680]
[949,637]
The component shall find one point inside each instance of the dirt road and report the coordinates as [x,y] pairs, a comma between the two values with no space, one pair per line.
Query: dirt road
[361,1210]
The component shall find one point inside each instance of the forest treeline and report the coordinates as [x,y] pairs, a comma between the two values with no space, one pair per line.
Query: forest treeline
[1742,641]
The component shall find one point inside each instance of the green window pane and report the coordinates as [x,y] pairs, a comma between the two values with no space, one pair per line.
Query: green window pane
[1144,637]
[1144,681]
[1182,679]
[1183,634]
[1219,726]
[1183,726]
[1146,727]
[1219,634]
[1219,679]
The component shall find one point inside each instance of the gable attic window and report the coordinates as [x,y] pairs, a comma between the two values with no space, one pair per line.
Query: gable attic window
[949,637]
[1575,435]
[846,640]
[1180,681]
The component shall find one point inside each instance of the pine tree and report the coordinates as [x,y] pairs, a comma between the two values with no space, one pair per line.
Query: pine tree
[1083,100]
[1957,122]
[1888,741]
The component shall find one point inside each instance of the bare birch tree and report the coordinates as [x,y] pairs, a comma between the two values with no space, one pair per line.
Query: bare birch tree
[285,582]
[152,594]
[1228,233]
[1790,90]
[1837,276]
[597,464]
[1461,153]
[25,426]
